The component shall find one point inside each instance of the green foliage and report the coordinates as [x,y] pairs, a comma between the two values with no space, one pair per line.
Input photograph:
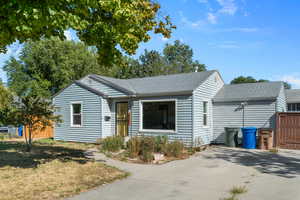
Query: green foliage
[47,66]
[134,147]
[176,58]
[111,26]
[243,79]
[250,79]
[113,143]
[161,143]
[147,148]
[174,149]
[287,85]
[6,98]
[237,190]
[34,112]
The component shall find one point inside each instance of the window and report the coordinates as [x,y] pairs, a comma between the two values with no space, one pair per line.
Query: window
[158,115]
[294,107]
[205,113]
[76,114]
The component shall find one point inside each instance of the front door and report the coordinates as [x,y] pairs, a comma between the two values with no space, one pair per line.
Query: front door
[122,119]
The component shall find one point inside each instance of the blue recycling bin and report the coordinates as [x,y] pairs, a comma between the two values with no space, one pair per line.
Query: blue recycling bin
[249,137]
[20,131]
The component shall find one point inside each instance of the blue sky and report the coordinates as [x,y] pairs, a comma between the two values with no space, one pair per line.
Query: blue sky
[259,38]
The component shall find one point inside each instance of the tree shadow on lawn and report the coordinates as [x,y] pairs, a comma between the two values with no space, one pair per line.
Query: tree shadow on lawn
[13,154]
[285,165]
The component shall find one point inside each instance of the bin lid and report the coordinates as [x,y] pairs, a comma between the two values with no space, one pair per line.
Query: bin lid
[249,128]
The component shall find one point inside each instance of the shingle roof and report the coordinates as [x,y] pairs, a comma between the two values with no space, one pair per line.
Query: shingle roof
[292,96]
[165,84]
[249,92]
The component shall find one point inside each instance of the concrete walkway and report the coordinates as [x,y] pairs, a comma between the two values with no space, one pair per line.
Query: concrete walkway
[207,175]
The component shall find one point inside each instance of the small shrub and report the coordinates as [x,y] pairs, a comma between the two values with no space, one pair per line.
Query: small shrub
[174,149]
[238,190]
[160,143]
[147,148]
[113,143]
[134,147]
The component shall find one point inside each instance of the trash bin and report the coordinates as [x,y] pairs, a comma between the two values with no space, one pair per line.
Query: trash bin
[231,136]
[249,137]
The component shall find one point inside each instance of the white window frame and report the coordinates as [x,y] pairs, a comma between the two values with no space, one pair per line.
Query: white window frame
[205,113]
[71,113]
[141,129]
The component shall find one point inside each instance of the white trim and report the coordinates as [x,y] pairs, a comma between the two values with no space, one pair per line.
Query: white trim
[71,113]
[208,121]
[156,130]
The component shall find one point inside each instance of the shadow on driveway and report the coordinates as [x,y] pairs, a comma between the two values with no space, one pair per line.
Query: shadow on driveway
[283,164]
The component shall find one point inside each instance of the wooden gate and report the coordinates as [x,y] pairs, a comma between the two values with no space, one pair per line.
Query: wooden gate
[288,130]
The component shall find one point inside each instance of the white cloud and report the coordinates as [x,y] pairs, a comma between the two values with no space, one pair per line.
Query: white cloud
[211,18]
[164,39]
[68,35]
[193,24]
[293,79]
[227,7]
[225,45]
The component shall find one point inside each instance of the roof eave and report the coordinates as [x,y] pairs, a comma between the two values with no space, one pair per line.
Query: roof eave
[245,99]
[155,94]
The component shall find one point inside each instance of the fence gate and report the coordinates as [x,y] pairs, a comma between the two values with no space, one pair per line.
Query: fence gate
[288,130]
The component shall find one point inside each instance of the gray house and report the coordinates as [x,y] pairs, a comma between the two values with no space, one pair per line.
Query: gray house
[192,107]
[293,100]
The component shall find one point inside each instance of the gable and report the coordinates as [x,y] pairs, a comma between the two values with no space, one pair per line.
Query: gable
[104,88]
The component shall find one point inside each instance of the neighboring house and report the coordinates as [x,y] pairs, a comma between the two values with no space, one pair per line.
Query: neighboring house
[293,100]
[191,107]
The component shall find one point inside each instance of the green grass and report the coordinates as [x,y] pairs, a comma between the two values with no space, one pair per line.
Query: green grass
[274,150]
[237,190]
[234,192]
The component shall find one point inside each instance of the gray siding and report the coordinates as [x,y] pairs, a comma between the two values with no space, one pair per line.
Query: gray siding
[205,92]
[183,123]
[91,129]
[281,105]
[260,114]
[106,89]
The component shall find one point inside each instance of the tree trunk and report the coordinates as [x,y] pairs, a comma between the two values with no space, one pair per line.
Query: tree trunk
[29,141]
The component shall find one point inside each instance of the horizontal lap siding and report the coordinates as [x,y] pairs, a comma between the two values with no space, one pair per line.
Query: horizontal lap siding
[205,92]
[106,89]
[260,114]
[91,129]
[184,119]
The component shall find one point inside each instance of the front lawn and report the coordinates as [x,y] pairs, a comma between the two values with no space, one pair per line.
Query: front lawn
[53,170]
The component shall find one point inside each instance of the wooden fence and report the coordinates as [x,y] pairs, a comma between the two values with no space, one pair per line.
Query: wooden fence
[46,133]
[288,130]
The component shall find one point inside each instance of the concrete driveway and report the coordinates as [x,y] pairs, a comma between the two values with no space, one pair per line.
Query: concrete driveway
[207,175]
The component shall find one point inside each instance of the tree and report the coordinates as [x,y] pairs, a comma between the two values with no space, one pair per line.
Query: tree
[47,66]
[250,79]
[179,58]
[111,26]
[243,79]
[287,85]
[33,112]
[176,58]
[6,98]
